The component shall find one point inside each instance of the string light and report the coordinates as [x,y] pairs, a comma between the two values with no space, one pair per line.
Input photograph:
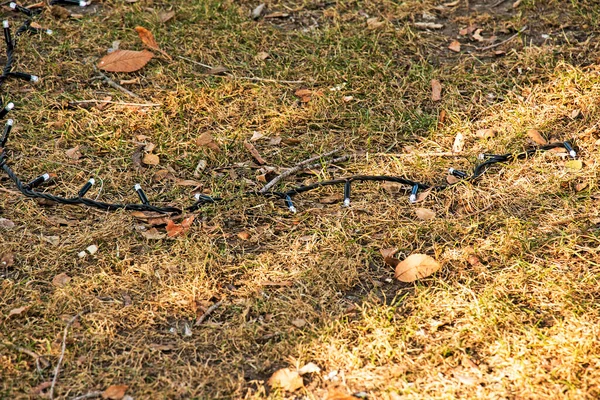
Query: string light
[27,190]
[80,3]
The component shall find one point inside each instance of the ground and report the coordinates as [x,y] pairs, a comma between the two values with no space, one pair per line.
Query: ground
[513,312]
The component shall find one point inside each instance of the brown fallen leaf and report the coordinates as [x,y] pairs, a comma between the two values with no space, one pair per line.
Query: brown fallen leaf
[485,133]
[337,394]
[425,213]
[536,136]
[451,179]
[115,392]
[148,39]
[6,223]
[74,153]
[309,368]
[125,60]
[243,235]
[375,23]
[60,12]
[18,311]
[255,154]
[436,90]
[206,140]
[174,229]
[61,280]
[304,94]
[477,35]
[220,70]
[151,159]
[37,390]
[580,186]
[455,46]
[263,55]
[165,16]
[286,379]
[416,266]
[459,143]
[153,234]
[299,322]
[7,260]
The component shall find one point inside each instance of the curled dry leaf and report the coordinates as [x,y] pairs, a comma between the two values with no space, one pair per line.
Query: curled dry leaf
[6,223]
[165,16]
[174,229]
[436,90]
[206,140]
[7,260]
[74,153]
[151,159]
[61,280]
[416,266]
[425,213]
[455,46]
[451,179]
[18,311]
[309,369]
[485,133]
[304,94]
[115,392]
[243,235]
[375,23]
[125,60]
[536,136]
[286,379]
[153,234]
[255,154]
[459,143]
[147,37]
[580,186]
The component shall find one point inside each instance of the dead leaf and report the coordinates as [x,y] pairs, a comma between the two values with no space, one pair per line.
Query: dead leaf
[337,394]
[37,390]
[60,12]
[7,260]
[187,182]
[61,280]
[425,213]
[580,186]
[151,159]
[53,240]
[148,39]
[125,60]
[459,143]
[220,70]
[263,56]
[115,392]
[304,94]
[375,23]
[174,229]
[153,234]
[206,140]
[309,368]
[536,137]
[165,16]
[18,311]
[574,165]
[277,14]
[243,235]
[255,154]
[299,323]
[436,90]
[136,157]
[455,46]
[256,13]
[6,223]
[74,153]
[477,35]
[517,3]
[485,133]
[286,379]
[416,266]
[451,179]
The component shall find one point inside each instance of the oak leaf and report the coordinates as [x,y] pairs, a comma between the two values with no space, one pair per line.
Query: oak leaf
[416,266]
[125,60]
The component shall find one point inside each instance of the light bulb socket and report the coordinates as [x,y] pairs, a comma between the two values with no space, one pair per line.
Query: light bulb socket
[38,181]
[413,194]
[457,173]
[347,194]
[138,189]
[86,188]
[6,109]
[21,9]
[570,149]
[290,204]
[24,76]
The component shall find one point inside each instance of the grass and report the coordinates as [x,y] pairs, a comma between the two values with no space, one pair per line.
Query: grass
[513,312]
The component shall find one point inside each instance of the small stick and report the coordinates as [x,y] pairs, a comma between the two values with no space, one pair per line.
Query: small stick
[62,355]
[119,103]
[435,154]
[39,360]
[496,4]
[115,85]
[90,395]
[295,169]
[248,78]
[209,311]
[523,29]
[333,161]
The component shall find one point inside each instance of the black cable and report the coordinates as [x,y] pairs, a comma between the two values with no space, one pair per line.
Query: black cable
[201,199]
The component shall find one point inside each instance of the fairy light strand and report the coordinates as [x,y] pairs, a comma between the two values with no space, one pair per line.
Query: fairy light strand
[28,190]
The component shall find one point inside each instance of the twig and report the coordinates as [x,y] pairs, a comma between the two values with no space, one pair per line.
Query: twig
[332,161]
[295,169]
[90,395]
[496,4]
[523,29]
[209,311]
[62,355]
[115,85]
[41,362]
[248,78]
[119,103]
[434,154]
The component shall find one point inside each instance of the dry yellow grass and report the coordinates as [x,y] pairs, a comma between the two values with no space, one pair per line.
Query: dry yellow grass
[513,312]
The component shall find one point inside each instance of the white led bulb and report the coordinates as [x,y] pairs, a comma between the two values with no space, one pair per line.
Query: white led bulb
[5,24]
[13,5]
